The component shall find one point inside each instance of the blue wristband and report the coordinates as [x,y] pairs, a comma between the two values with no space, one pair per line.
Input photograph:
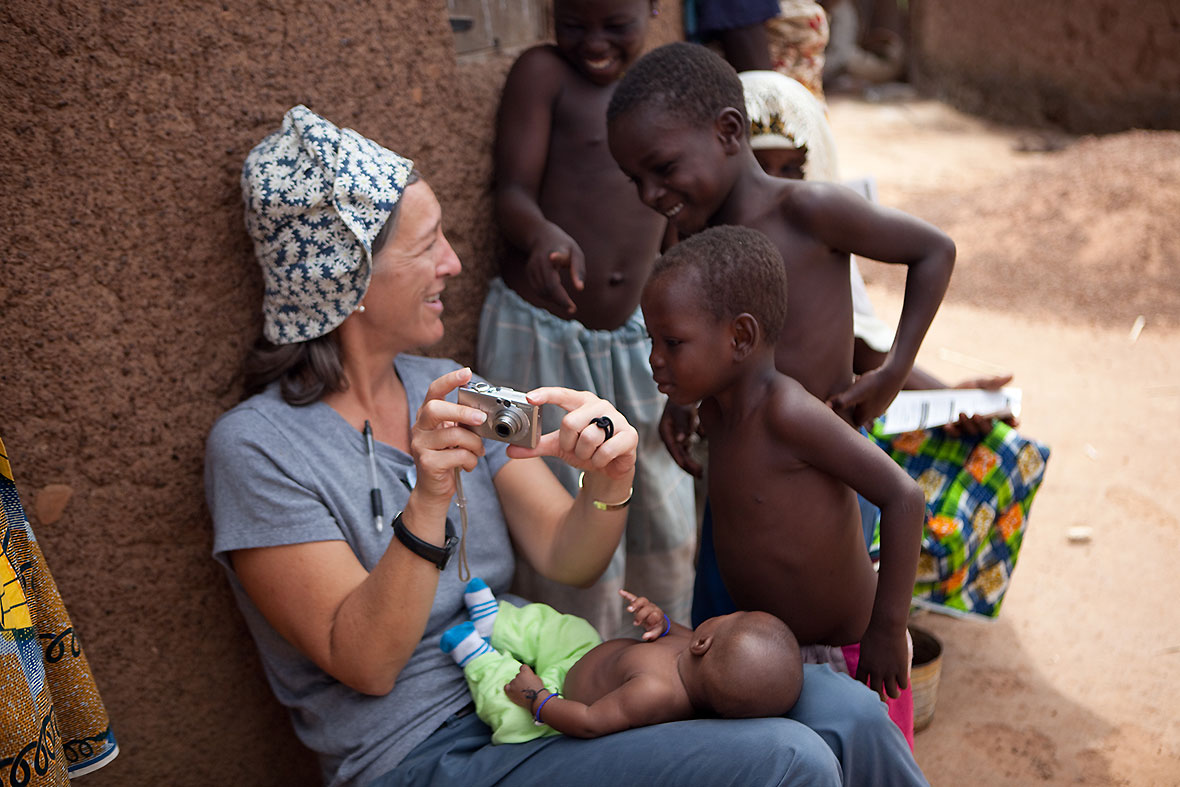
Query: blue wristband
[537,716]
[667,627]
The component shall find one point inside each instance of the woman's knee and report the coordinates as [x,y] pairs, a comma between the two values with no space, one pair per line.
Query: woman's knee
[774,751]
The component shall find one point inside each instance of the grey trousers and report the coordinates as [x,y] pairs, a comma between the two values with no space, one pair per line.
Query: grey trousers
[863,746]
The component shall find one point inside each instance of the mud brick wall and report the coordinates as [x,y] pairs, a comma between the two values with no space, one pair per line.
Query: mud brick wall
[1086,66]
[129,295]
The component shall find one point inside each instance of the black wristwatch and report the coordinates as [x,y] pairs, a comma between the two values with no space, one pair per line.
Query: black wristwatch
[424,549]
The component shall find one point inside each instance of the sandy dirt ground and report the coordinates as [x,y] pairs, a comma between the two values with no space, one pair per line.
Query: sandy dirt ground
[1063,243]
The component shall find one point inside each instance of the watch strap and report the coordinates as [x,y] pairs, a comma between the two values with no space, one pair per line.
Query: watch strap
[424,549]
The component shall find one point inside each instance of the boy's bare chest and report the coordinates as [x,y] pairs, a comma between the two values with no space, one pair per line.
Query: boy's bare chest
[579,121]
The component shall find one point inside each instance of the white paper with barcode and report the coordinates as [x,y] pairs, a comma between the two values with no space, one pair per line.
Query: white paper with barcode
[913,410]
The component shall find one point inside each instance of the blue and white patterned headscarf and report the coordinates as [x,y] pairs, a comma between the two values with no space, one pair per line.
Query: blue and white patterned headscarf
[316,196]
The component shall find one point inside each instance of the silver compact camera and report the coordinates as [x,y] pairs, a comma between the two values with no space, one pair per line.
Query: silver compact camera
[511,419]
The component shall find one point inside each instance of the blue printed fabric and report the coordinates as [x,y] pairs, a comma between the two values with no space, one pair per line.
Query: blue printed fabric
[53,724]
[316,197]
[978,496]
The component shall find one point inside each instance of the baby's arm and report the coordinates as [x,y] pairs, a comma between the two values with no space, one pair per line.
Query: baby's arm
[848,222]
[523,126]
[647,614]
[637,702]
[819,437]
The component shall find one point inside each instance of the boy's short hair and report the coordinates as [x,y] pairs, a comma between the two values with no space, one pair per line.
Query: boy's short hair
[738,270]
[689,80]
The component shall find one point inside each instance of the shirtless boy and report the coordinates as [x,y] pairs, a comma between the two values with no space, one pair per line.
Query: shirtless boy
[741,665]
[783,469]
[677,126]
[565,311]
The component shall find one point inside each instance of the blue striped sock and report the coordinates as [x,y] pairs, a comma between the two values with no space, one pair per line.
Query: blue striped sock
[463,643]
[481,606]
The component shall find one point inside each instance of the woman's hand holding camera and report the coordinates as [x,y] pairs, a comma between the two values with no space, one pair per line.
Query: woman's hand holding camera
[441,439]
[606,447]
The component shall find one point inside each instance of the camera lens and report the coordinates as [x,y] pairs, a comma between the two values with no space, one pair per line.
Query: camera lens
[508,422]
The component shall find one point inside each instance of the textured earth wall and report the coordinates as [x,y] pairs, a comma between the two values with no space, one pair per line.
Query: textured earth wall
[1088,66]
[129,295]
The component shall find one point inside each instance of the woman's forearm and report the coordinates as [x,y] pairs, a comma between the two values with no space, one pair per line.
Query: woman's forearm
[378,625]
[586,538]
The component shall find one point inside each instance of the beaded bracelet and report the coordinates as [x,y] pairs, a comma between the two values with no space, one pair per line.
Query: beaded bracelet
[537,716]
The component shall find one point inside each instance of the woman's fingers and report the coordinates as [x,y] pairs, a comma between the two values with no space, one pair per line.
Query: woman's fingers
[593,435]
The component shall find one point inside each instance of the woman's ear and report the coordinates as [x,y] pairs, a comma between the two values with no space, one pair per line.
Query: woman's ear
[745,332]
[701,644]
[731,130]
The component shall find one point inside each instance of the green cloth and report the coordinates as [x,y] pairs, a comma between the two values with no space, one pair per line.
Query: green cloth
[537,635]
[978,496]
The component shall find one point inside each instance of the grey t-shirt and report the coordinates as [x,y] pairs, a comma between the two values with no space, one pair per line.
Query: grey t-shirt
[277,474]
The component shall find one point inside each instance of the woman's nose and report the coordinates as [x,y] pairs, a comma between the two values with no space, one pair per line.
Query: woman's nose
[449,264]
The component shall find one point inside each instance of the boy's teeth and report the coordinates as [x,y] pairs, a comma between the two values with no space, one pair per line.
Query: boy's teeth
[673,211]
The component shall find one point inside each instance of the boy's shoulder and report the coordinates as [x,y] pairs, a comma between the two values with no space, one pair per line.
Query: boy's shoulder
[543,63]
[808,199]
[815,208]
[790,406]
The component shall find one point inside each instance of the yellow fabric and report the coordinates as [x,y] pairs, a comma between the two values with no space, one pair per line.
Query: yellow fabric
[54,725]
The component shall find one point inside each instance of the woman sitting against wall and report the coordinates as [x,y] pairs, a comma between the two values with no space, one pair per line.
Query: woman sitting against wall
[346,608]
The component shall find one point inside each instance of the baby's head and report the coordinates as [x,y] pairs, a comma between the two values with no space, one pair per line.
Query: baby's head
[601,38]
[714,297]
[742,665]
[676,125]
[789,132]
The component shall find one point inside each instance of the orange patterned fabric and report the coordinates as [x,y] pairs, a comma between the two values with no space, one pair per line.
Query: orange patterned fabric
[54,725]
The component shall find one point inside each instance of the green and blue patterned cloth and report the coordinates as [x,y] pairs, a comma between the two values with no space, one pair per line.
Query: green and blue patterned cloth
[978,496]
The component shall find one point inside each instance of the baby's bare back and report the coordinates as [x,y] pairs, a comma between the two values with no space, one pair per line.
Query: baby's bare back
[787,535]
[586,194]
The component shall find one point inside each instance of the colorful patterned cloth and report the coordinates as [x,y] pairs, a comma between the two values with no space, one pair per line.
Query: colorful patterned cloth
[53,726]
[797,38]
[978,496]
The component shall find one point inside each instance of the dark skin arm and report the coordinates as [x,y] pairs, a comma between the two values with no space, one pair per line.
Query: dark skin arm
[811,431]
[849,223]
[638,702]
[523,126]
[866,358]
[677,426]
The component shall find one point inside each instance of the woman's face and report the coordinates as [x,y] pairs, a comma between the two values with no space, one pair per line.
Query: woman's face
[410,272]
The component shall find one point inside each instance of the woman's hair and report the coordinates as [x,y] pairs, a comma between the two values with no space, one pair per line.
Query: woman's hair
[306,370]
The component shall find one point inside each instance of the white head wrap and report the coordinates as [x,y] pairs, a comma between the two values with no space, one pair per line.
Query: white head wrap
[316,196]
[784,114]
